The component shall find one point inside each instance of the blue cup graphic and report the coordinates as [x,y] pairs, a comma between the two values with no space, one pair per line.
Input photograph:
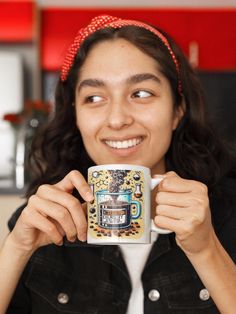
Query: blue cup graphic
[115,209]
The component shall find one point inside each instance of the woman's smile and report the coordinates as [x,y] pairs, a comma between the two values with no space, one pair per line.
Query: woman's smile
[124,147]
[122,144]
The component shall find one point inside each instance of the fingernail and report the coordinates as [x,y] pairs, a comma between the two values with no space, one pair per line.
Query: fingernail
[89,196]
[72,239]
[83,237]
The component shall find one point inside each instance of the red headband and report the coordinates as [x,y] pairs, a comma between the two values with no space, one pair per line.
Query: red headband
[104,21]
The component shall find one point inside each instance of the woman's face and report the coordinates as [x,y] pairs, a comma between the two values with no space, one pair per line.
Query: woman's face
[124,107]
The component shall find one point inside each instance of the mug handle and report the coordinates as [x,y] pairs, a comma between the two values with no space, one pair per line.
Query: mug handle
[154,183]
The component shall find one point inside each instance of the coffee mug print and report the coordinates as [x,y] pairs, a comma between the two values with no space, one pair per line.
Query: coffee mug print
[120,211]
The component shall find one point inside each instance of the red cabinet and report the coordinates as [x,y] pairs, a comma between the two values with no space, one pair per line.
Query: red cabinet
[211,33]
[17,21]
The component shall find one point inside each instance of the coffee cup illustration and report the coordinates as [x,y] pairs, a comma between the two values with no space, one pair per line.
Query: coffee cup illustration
[115,209]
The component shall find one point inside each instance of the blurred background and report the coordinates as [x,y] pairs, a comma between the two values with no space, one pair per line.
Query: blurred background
[34,36]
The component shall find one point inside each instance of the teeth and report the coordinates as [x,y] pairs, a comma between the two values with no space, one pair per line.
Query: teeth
[124,144]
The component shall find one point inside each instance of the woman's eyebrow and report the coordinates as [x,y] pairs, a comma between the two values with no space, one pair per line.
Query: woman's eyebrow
[138,78]
[91,83]
[133,79]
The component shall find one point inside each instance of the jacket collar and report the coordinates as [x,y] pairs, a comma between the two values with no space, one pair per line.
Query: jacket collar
[112,253]
[160,247]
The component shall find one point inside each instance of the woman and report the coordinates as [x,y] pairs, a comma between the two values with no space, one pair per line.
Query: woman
[126,95]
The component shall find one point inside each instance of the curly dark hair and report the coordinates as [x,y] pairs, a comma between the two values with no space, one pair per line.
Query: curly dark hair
[195,152]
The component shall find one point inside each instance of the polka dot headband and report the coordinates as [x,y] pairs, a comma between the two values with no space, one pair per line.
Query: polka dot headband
[105,21]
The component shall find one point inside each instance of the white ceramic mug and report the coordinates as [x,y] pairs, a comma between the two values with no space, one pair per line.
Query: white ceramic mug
[121,209]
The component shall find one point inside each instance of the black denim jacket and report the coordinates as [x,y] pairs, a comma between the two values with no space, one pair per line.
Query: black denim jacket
[90,279]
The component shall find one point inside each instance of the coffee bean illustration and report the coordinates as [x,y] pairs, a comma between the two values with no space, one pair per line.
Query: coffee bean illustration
[92,210]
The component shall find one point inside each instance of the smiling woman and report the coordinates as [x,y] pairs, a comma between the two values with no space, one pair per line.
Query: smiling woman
[126,95]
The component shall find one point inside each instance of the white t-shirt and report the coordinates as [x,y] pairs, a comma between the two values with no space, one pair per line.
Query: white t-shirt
[135,256]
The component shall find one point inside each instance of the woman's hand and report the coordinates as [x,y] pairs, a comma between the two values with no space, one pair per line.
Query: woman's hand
[53,212]
[183,207]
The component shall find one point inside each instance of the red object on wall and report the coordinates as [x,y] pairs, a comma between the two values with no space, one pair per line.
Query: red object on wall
[16,21]
[214,31]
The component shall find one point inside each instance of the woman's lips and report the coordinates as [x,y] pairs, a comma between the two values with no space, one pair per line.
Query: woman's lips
[125,147]
[124,144]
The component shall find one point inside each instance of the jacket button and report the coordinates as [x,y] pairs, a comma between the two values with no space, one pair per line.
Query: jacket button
[63,298]
[154,295]
[204,295]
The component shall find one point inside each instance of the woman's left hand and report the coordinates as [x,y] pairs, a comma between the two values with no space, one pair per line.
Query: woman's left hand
[183,207]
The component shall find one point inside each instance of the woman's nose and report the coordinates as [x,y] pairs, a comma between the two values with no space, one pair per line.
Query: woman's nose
[119,115]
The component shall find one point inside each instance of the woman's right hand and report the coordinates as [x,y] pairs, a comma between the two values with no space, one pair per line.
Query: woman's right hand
[52,213]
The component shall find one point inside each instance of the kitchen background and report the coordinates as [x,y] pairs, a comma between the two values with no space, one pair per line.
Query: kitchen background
[34,36]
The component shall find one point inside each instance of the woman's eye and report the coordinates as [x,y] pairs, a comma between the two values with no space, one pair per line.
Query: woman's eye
[93,99]
[141,94]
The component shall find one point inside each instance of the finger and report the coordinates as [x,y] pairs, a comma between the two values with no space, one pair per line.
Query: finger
[166,175]
[181,227]
[165,222]
[35,220]
[194,216]
[175,199]
[74,179]
[193,201]
[176,184]
[59,227]
[84,208]
[57,212]
[170,174]
[172,211]
[71,203]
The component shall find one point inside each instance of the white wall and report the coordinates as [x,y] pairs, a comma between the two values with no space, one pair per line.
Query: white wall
[11,101]
[11,82]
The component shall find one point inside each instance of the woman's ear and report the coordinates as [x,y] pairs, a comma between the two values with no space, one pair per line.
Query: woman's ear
[179,113]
